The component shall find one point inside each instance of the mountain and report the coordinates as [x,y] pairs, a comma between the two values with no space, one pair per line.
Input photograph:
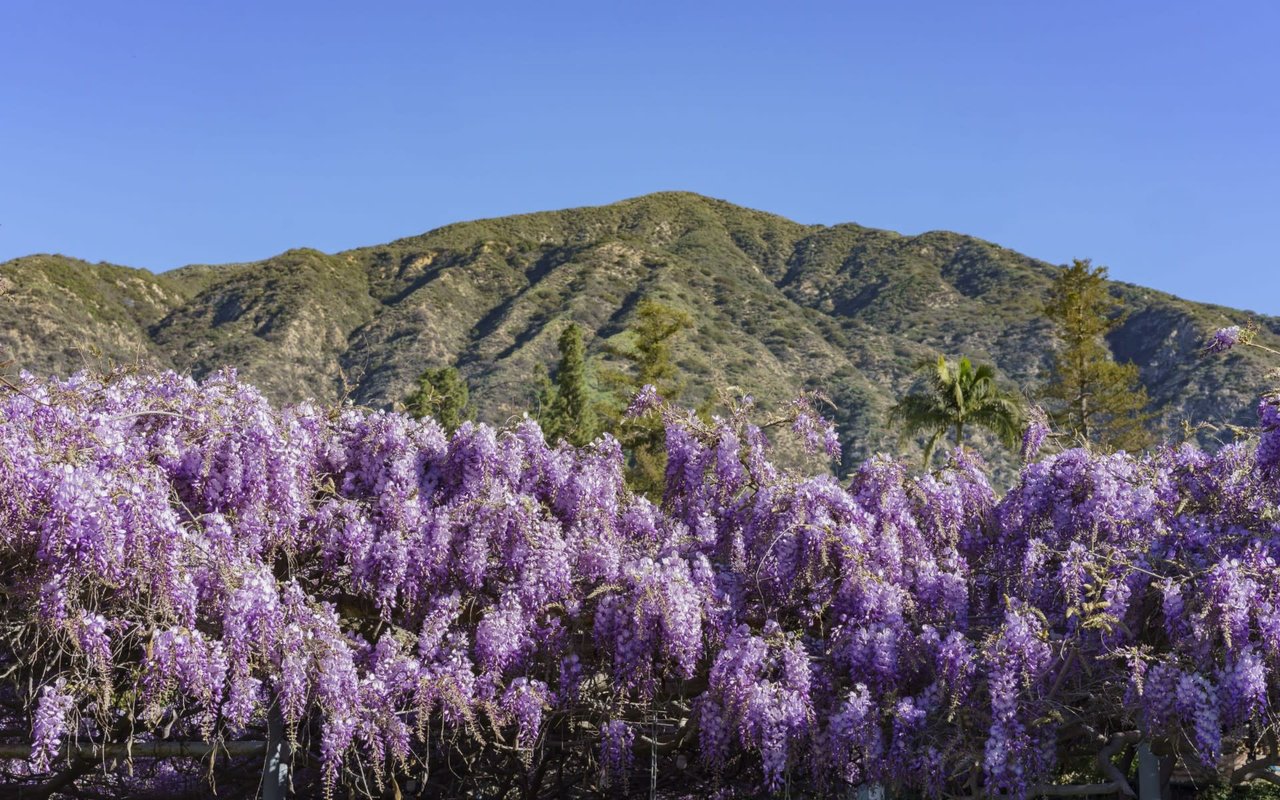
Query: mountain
[779,307]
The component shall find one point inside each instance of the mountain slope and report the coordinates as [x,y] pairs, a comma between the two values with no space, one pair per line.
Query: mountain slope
[779,307]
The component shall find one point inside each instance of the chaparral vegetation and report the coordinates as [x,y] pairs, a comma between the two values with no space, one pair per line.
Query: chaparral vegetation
[194,578]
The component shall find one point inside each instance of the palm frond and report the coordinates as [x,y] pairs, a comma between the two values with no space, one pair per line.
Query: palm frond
[1003,416]
[957,395]
[917,413]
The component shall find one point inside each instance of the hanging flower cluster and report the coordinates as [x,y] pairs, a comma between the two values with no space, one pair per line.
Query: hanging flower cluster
[182,561]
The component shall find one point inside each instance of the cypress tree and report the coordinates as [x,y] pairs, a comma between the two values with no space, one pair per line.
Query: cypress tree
[572,416]
[1091,396]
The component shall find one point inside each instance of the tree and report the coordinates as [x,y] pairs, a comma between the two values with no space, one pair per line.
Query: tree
[441,394]
[646,348]
[954,398]
[569,413]
[543,397]
[1090,396]
[654,331]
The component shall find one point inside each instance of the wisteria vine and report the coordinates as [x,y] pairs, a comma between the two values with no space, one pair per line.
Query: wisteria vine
[184,562]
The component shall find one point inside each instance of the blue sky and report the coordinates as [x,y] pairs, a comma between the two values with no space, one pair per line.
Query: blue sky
[1141,134]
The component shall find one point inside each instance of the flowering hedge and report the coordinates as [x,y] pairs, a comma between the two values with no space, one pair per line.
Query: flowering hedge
[181,562]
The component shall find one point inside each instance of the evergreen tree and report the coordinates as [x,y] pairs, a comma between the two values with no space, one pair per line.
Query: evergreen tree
[1090,396]
[646,348]
[570,415]
[654,331]
[441,394]
[544,400]
[955,398]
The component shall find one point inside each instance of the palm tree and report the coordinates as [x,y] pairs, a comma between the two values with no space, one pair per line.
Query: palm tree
[955,397]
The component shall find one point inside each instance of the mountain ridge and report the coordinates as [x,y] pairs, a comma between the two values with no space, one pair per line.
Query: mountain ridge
[779,307]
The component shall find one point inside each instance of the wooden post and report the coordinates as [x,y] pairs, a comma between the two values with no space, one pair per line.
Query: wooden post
[871,791]
[275,767]
[1149,783]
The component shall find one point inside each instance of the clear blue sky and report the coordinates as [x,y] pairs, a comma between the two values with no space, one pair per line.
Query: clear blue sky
[1141,134]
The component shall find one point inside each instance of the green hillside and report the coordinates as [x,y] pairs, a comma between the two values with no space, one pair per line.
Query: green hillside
[779,307]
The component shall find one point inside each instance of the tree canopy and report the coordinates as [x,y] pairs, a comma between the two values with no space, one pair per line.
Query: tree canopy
[645,350]
[1090,396]
[954,398]
[568,409]
[442,395]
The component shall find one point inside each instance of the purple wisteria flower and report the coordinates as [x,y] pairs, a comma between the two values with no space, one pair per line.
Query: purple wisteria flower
[817,433]
[1268,452]
[390,592]
[646,400]
[1034,434]
[616,741]
[1224,339]
[50,723]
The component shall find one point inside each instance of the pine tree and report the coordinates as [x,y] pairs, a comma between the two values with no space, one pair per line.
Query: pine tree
[655,330]
[647,349]
[1090,396]
[441,394]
